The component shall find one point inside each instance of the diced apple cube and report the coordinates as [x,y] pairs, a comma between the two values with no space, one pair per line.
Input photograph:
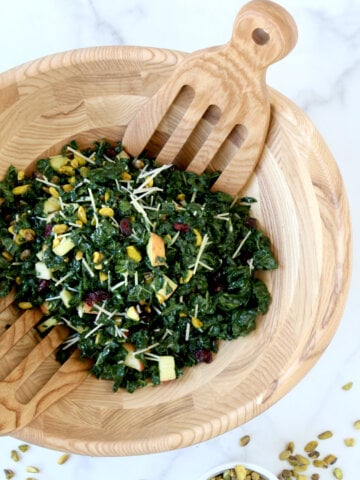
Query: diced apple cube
[40,254]
[131,360]
[133,314]
[167,289]
[58,161]
[167,368]
[63,247]
[42,271]
[83,307]
[155,250]
[66,297]
[45,307]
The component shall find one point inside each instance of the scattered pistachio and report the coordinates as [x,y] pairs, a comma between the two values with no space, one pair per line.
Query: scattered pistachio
[327,434]
[103,276]
[63,459]
[97,257]
[60,228]
[9,473]
[7,256]
[349,442]
[53,192]
[24,447]
[20,175]
[290,447]
[302,460]
[320,464]
[67,170]
[338,474]
[14,456]
[347,386]
[284,455]
[106,212]
[67,187]
[330,459]
[138,164]
[32,469]
[25,305]
[21,189]
[79,255]
[314,454]
[82,214]
[292,460]
[300,468]
[125,176]
[25,254]
[311,446]
[357,424]
[244,440]
[285,474]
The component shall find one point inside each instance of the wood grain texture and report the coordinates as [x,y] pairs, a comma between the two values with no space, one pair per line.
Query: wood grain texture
[19,369]
[263,33]
[302,204]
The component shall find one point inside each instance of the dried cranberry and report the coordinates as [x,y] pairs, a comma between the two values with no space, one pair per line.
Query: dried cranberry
[110,152]
[125,227]
[48,230]
[95,297]
[43,286]
[181,227]
[203,356]
[217,283]
[250,222]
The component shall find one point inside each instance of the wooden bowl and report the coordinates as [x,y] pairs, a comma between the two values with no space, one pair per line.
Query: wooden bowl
[92,93]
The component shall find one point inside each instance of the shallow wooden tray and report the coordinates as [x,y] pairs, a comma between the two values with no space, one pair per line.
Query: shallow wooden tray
[91,93]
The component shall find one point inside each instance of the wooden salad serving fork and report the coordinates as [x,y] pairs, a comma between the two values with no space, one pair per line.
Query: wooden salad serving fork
[229,78]
[232,80]
[15,413]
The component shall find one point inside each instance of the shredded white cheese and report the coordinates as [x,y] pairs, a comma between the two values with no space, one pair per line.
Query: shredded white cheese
[81,155]
[204,242]
[86,265]
[237,251]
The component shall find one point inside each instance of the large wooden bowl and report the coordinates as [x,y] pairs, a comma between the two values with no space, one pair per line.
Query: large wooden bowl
[92,93]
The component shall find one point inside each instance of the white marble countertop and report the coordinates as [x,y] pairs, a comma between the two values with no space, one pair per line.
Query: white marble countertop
[322,76]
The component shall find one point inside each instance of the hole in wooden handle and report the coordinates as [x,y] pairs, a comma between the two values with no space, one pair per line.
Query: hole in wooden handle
[260,36]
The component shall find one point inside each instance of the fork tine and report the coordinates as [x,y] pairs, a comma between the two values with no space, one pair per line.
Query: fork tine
[209,148]
[6,301]
[18,329]
[183,130]
[144,124]
[238,171]
[14,415]
[69,376]
[39,353]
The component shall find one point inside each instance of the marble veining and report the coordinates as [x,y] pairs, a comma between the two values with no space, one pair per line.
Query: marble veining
[322,76]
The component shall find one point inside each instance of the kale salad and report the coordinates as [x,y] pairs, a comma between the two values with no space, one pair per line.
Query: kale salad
[147,267]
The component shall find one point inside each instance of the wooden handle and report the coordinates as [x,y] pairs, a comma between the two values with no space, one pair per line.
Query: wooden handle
[15,415]
[265,31]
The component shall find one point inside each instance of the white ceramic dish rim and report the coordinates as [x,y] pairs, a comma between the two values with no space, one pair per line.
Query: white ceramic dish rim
[220,468]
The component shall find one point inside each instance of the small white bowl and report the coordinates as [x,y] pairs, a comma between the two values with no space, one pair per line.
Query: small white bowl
[220,468]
